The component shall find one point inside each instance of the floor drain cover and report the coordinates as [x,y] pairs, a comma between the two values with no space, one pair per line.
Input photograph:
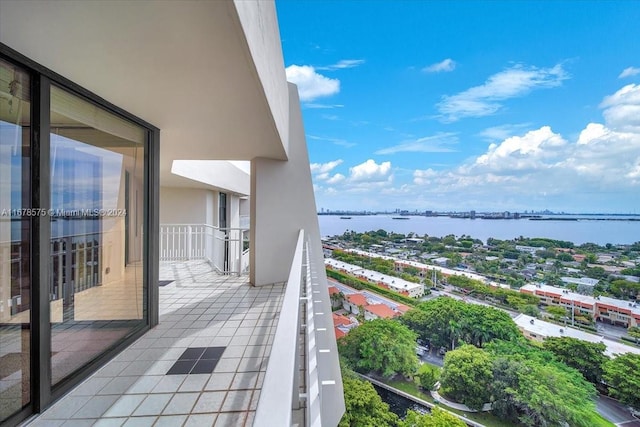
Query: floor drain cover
[197,360]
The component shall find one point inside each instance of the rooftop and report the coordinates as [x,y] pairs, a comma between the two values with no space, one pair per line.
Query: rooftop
[545,329]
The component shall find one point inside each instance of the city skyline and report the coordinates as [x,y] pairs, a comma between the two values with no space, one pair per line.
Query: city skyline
[469,106]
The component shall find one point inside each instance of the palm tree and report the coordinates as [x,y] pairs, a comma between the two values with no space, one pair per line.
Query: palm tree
[454,331]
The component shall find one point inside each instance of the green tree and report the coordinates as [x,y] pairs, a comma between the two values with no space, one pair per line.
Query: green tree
[531,387]
[466,376]
[454,259]
[553,396]
[625,289]
[634,332]
[563,256]
[557,312]
[437,418]
[446,321]
[587,357]
[364,407]
[427,376]
[503,388]
[622,375]
[381,345]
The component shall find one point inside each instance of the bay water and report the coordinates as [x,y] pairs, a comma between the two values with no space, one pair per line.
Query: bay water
[594,229]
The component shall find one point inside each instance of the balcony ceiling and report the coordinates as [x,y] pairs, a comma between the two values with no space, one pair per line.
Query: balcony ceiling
[209,74]
[218,175]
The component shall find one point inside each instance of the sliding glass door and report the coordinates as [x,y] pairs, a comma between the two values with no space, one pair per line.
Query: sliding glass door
[97,160]
[78,186]
[15,238]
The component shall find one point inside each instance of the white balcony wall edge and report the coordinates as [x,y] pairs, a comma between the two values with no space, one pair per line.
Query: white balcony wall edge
[281,378]
[283,203]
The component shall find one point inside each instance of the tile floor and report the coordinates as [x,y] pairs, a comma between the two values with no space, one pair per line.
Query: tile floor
[199,309]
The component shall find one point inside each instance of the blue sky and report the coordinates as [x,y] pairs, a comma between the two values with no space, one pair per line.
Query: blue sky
[442,105]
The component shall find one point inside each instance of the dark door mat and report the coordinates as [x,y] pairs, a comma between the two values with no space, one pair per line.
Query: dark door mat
[197,360]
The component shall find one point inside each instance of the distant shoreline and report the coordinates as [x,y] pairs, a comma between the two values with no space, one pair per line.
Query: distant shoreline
[546,217]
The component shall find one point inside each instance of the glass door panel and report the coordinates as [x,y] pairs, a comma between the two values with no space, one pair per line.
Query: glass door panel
[97,194]
[15,285]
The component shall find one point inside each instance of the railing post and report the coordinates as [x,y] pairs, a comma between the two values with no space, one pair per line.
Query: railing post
[240,245]
[188,243]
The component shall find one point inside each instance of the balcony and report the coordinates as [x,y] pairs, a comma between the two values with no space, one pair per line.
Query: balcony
[166,377]
[225,249]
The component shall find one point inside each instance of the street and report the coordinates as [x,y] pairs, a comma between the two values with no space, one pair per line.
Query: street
[615,412]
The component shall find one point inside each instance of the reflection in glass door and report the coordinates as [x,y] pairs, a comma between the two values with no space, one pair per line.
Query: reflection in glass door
[97,163]
[15,286]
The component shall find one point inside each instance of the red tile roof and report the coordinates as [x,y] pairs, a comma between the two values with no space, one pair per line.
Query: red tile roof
[333,290]
[402,308]
[381,311]
[357,299]
[340,320]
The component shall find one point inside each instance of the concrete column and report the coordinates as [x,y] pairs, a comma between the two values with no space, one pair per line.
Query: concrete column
[282,202]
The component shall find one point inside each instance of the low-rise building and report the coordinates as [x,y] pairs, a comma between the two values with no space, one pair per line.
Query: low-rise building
[529,249]
[353,303]
[539,330]
[581,281]
[441,260]
[343,324]
[379,311]
[396,284]
[604,309]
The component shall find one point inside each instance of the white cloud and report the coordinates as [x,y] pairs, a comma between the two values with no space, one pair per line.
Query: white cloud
[485,99]
[311,85]
[336,141]
[592,132]
[335,179]
[331,117]
[325,167]
[442,66]
[370,171]
[424,177]
[497,133]
[629,72]
[622,109]
[342,64]
[597,170]
[540,165]
[322,106]
[439,143]
[522,152]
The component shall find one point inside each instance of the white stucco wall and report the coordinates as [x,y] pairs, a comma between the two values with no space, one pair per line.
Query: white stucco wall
[185,206]
[260,25]
[282,203]
[233,210]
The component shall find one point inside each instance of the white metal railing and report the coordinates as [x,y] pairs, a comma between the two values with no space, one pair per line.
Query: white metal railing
[303,300]
[282,378]
[226,249]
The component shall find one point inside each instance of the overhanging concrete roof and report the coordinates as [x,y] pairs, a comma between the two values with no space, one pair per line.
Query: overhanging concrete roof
[209,74]
[218,174]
